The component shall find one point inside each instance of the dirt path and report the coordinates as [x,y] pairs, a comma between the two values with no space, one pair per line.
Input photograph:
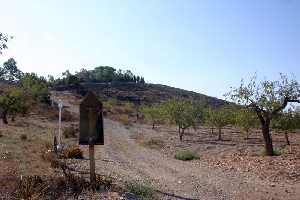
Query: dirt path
[122,157]
[176,179]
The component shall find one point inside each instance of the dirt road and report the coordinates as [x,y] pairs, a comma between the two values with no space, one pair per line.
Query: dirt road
[125,159]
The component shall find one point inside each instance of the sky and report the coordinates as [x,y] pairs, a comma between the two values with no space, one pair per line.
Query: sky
[205,46]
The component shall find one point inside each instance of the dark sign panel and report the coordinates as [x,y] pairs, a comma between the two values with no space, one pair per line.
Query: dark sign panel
[91,121]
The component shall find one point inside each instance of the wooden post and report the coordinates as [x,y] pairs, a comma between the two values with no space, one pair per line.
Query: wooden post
[92,166]
[91,129]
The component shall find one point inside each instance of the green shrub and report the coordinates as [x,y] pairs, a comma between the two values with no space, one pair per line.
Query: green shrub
[74,152]
[276,152]
[186,155]
[141,189]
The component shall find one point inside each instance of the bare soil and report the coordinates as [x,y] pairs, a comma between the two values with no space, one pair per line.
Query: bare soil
[229,169]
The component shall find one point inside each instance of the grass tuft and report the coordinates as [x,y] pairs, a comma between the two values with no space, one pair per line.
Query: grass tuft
[141,189]
[276,152]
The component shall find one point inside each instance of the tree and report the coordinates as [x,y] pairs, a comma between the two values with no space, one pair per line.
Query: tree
[153,114]
[267,99]
[35,86]
[246,119]
[286,122]
[3,40]
[13,101]
[219,118]
[10,71]
[184,114]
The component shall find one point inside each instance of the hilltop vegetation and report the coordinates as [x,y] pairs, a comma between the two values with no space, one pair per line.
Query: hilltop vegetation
[97,75]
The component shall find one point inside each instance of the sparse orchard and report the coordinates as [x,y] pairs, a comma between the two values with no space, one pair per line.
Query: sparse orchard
[184,114]
[246,119]
[286,122]
[219,118]
[267,99]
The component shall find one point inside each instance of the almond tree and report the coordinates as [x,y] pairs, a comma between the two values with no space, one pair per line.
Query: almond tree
[286,122]
[246,119]
[153,114]
[267,99]
[184,114]
[219,118]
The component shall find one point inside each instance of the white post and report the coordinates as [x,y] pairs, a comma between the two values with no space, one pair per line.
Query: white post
[60,106]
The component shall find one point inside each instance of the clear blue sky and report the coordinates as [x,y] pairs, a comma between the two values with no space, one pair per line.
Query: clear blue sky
[201,45]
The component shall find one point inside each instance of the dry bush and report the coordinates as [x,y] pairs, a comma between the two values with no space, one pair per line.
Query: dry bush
[53,114]
[139,137]
[154,143]
[70,132]
[124,119]
[105,181]
[23,137]
[73,152]
[128,108]
[28,187]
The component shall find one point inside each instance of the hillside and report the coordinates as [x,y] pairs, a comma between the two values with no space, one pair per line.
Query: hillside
[138,93]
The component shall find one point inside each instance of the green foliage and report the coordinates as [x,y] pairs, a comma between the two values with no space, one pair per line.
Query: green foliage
[219,117]
[153,114]
[286,121]
[183,113]
[110,104]
[141,189]
[267,99]
[276,152]
[13,101]
[99,74]
[246,119]
[36,86]
[268,96]
[10,71]
[3,40]
[186,155]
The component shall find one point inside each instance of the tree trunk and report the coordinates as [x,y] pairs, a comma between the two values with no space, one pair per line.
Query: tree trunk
[220,134]
[181,133]
[153,126]
[4,117]
[212,130]
[287,138]
[267,139]
[13,118]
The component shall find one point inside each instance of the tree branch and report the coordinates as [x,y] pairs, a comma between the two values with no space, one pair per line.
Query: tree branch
[284,104]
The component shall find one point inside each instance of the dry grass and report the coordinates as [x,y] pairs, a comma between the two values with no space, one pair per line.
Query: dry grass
[124,119]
